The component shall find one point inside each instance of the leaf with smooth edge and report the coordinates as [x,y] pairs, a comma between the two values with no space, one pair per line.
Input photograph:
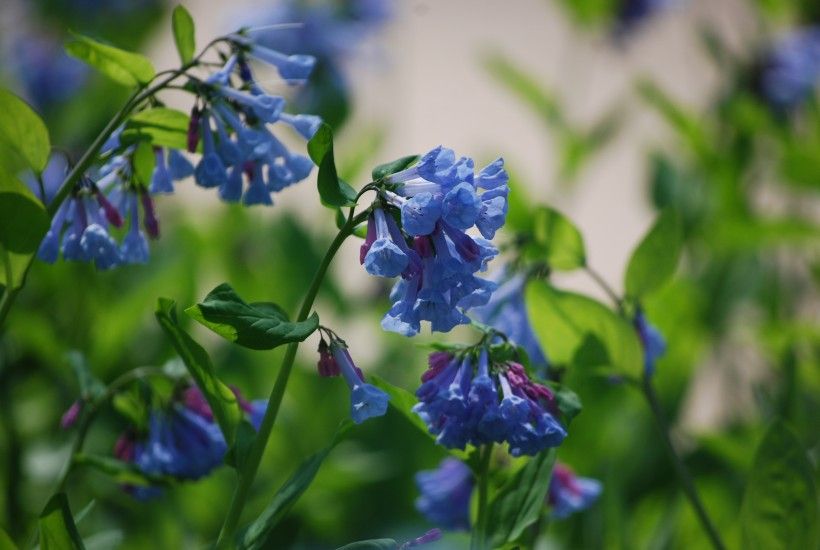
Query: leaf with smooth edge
[161,126]
[183,26]
[569,325]
[19,264]
[557,239]
[23,219]
[124,473]
[779,508]
[57,528]
[332,191]
[372,544]
[220,397]
[144,162]
[22,133]
[255,536]
[520,501]
[127,68]
[262,327]
[384,170]
[656,257]
[5,541]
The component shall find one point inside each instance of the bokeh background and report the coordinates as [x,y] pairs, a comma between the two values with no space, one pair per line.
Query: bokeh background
[604,111]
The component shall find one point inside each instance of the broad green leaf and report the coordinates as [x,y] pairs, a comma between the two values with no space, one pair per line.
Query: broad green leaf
[220,397]
[19,264]
[520,207]
[264,326]
[23,219]
[161,126]
[689,126]
[238,453]
[5,541]
[384,170]
[183,25]
[255,536]
[779,508]
[402,401]
[520,501]
[127,68]
[372,544]
[23,135]
[57,528]
[568,402]
[557,240]
[332,191]
[580,331]
[124,473]
[144,162]
[655,259]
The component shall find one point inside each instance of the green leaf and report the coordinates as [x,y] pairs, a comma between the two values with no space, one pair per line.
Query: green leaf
[19,264]
[520,501]
[259,327]
[255,536]
[568,402]
[220,397]
[160,126]
[332,191]
[5,541]
[371,544]
[127,68]
[144,162]
[23,135]
[238,453]
[655,259]
[90,386]
[57,529]
[527,89]
[23,219]
[183,25]
[779,508]
[583,332]
[388,168]
[557,240]
[124,473]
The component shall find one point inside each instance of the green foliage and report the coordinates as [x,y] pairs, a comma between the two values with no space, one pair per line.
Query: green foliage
[144,162]
[124,473]
[655,259]
[23,220]
[780,506]
[5,541]
[183,26]
[388,168]
[556,240]
[256,535]
[56,526]
[24,140]
[257,326]
[372,544]
[160,126]
[582,332]
[332,191]
[220,397]
[520,502]
[127,68]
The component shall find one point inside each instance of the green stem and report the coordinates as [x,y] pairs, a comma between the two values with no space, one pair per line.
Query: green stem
[248,473]
[601,282]
[479,538]
[684,475]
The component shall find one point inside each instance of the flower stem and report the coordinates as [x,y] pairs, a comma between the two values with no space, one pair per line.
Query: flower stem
[684,475]
[479,538]
[608,290]
[251,465]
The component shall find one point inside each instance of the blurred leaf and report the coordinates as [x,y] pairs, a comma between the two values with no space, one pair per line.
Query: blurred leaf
[5,541]
[372,544]
[220,397]
[520,501]
[655,259]
[124,473]
[388,168]
[566,323]
[127,68]
[23,219]
[557,240]
[255,536]
[90,386]
[527,89]
[238,453]
[368,144]
[19,264]
[332,191]
[23,134]
[57,529]
[688,127]
[183,26]
[568,402]
[520,208]
[144,161]
[161,127]
[262,327]
[780,505]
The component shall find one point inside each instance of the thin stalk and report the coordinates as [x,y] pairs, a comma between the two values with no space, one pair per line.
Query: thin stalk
[479,539]
[248,473]
[684,475]
[601,282]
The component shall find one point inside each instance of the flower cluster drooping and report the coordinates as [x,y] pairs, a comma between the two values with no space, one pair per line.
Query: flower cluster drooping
[182,442]
[466,399]
[366,400]
[569,493]
[791,69]
[419,233]
[652,341]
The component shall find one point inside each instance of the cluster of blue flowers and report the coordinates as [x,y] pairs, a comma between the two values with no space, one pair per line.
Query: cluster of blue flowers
[366,400]
[182,442]
[633,13]
[652,341]
[465,399]
[569,493]
[432,204]
[791,69]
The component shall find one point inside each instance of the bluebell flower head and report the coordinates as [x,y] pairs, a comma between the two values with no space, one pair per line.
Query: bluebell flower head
[791,69]
[366,400]
[569,493]
[178,166]
[654,345]
[445,493]
[384,258]
[161,180]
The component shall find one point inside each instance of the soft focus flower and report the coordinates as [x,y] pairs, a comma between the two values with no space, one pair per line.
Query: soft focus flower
[652,341]
[48,75]
[445,494]
[465,399]
[633,13]
[71,415]
[569,493]
[791,69]
[430,536]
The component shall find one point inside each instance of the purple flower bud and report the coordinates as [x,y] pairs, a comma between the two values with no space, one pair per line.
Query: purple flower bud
[71,415]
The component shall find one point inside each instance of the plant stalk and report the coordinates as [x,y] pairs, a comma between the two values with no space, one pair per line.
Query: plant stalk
[479,539]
